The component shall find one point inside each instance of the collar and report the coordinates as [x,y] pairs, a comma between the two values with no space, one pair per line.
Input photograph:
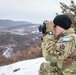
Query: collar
[65,32]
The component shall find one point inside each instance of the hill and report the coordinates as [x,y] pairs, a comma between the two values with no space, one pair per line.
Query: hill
[9,24]
[19,40]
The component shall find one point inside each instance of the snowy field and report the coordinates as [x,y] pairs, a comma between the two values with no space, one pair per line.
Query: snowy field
[27,67]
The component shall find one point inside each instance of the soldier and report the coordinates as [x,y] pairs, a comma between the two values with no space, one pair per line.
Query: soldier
[58,48]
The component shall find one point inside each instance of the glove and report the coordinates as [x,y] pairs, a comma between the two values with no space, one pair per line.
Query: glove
[49,25]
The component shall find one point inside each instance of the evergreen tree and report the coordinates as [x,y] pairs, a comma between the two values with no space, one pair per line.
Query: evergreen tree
[70,11]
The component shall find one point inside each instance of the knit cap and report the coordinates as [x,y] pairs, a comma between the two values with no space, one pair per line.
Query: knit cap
[63,21]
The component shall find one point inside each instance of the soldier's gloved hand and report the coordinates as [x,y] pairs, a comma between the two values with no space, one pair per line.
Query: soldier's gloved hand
[46,28]
[49,25]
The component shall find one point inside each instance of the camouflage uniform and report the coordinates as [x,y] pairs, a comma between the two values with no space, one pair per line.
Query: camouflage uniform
[60,54]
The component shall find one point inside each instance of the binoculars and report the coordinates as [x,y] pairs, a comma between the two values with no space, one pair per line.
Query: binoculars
[46,27]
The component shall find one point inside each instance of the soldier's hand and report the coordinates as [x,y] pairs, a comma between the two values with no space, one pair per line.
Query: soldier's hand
[49,25]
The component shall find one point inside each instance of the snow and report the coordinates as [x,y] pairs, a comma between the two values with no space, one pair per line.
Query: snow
[7,53]
[9,50]
[22,31]
[27,67]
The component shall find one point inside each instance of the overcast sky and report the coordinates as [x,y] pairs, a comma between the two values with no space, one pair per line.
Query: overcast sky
[35,11]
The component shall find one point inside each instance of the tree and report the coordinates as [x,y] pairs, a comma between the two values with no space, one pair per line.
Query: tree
[70,11]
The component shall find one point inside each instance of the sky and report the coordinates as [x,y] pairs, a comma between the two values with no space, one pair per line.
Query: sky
[35,11]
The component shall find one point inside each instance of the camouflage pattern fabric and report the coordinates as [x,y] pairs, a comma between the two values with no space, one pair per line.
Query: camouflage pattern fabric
[49,69]
[59,50]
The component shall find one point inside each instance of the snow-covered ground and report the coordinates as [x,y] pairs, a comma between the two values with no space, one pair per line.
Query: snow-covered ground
[27,67]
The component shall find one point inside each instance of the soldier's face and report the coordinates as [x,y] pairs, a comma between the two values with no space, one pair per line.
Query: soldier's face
[57,30]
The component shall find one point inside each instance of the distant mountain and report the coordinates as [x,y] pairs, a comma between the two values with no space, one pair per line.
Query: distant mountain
[9,24]
[19,40]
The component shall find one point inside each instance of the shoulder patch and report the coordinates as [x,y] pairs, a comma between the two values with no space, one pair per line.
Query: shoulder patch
[65,38]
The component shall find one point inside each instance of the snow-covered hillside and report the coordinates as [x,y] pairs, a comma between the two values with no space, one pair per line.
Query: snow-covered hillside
[20,38]
[27,67]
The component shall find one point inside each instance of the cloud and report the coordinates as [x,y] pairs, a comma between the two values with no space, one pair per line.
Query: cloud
[31,10]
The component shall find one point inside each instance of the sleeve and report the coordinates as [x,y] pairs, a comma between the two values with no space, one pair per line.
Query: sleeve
[56,51]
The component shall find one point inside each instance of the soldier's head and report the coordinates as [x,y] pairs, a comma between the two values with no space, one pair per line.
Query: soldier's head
[61,23]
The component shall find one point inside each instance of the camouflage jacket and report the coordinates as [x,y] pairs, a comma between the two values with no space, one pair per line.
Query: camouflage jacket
[60,48]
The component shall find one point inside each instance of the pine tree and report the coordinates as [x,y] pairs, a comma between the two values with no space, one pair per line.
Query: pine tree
[70,11]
